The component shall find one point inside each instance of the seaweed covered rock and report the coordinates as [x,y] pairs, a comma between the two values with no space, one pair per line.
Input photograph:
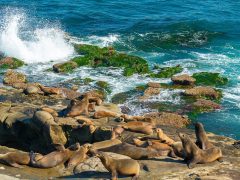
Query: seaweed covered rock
[203,105]
[183,79]
[201,91]
[210,79]
[103,85]
[65,67]
[11,77]
[167,72]
[95,56]
[10,63]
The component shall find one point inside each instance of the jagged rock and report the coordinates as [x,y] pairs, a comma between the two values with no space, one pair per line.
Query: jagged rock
[201,91]
[11,77]
[183,80]
[169,119]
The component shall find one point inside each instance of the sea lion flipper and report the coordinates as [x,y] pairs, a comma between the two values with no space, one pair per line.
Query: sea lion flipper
[191,163]
[59,147]
[114,175]
[16,165]
[220,159]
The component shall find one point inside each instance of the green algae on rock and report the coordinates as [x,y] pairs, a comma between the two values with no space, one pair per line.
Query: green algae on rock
[167,72]
[95,56]
[209,79]
[103,85]
[10,63]
[66,67]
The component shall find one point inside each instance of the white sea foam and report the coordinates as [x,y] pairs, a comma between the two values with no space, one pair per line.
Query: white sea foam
[39,45]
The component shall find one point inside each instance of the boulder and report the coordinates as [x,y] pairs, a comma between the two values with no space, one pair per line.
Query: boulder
[183,80]
[10,63]
[65,67]
[11,77]
[168,119]
[203,105]
[202,91]
[154,84]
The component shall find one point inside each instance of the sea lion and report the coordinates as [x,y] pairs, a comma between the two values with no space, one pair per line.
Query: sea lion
[61,155]
[77,107]
[84,120]
[128,167]
[196,155]
[128,118]
[178,149]
[163,137]
[91,107]
[155,145]
[105,144]
[51,111]
[202,139]
[79,156]
[134,152]
[137,126]
[102,114]
[50,90]
[16,159]
[98,101]
[116,132]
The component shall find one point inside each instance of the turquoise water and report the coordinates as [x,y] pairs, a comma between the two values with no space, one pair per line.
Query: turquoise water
[201,36]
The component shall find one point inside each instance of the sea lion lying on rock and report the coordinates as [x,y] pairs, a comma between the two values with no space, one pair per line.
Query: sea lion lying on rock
[196,155]
[163,137]
[138,126]
[53,159]
[134,152]
[79,156]
[202,139]
[51,111]
[128,167]
[116,132]
[104,113]
[16,159]
[105,144]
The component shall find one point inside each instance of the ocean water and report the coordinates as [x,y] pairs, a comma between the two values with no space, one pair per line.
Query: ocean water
[199,35]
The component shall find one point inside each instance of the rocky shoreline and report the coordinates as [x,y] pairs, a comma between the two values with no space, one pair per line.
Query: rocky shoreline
[34,117]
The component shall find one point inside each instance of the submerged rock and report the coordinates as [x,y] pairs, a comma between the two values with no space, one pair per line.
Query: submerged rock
[183,80]
[11,77]
[167,72]
[10,63]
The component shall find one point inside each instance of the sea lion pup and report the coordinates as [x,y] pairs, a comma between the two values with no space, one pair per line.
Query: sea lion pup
[76,107]
[202,139]
[61,155]
[138,126]
[116,132]
[196,155]
[128,167]
[134,152]
[105,144]
[163,137]
[79,156]
[102,114]
[16,159]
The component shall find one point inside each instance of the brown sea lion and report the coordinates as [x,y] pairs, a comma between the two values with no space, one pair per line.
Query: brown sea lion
[84,120]
[178,149]
[98,101]
[196,155]
[79,156]
[105,144]
[128,167]
[51,111]
[116,132]
[138,126]
[102,114]
[78,107]
[163,137]
[91,107]
[128,118]
[134,152]
[16,159]
[202,139]
[61,155]
[50,90]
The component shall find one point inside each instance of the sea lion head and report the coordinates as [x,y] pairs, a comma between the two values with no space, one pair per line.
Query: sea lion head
[159,131]
[198,126]
[87,146]
[184,138]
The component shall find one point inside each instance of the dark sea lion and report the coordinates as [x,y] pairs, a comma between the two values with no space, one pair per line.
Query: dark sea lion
[78,107]
[79,156]
[202,139]
[196,155]
[163,137]
[16,159]
[137,126]
[127,167]
[134,152]
[61,155]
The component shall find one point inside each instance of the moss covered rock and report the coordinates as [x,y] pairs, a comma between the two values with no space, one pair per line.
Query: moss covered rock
[103,85]
[210,79]
[11,77]
[86,81]
[10,63]
[167,72]
[95,56]
[65,67]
